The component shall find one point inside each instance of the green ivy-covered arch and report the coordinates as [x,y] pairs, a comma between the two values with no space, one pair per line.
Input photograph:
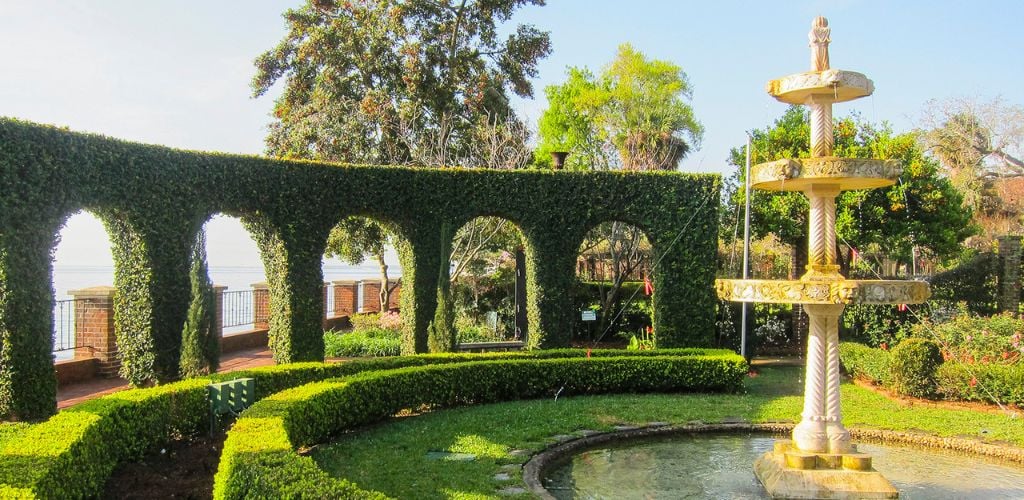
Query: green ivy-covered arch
[155,199]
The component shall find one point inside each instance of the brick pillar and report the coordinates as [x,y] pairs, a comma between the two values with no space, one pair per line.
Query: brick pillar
[260,306]
[218,307]
[327,306]
[346,297]
[94,327]
[394,302]
[1009,273]
[371,296]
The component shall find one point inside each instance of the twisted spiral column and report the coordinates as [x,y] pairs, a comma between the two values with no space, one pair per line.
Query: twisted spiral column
[838,436]
[810,434]
[821,233]
[822,137]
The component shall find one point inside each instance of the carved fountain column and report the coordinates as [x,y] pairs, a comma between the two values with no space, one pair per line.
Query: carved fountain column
[820,461]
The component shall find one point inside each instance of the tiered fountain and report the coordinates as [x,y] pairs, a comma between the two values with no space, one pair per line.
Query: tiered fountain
[820,461]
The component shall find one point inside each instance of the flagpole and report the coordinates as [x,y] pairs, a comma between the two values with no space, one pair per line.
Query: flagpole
[746,250]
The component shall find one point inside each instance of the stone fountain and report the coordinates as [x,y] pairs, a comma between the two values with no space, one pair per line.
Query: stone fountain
[820,461]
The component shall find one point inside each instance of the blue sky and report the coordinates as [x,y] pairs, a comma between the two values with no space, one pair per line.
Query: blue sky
[177,72]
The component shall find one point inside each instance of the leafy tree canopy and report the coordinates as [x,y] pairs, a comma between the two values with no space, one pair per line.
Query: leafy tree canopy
[921,210]
[634,115]
[366,79]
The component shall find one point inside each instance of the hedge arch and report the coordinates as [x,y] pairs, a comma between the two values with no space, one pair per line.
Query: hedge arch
[154,200]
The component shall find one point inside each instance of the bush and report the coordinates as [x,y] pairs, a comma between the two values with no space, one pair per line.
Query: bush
[971,339]
[373,342]
[73,453]
[259,458]
[863,362]
[363,321]
[913,365]
[989,383]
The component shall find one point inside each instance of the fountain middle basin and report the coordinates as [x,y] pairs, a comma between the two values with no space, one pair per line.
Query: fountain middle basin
[717,465]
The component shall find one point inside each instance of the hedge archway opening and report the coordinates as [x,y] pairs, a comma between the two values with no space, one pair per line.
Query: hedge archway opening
[615,267]
[82,258]
[484,281]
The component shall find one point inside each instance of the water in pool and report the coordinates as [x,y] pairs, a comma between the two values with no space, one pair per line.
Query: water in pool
[721,466]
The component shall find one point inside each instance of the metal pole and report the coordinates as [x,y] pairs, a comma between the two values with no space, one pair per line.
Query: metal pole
[746,250]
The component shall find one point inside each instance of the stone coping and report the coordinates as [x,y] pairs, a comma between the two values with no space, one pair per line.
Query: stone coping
[95,292]
[538,465]
[840,291]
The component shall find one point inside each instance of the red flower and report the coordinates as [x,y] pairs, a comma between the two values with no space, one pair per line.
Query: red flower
[884,346]
[973,382]
[1006,355]
[588,353]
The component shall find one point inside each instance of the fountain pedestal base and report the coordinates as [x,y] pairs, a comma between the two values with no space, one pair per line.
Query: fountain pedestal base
[787,472]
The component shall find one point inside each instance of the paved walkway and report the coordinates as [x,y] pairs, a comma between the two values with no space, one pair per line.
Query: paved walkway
[73,394]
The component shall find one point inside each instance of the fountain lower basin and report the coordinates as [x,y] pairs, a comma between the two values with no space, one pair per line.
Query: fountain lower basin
[717,465]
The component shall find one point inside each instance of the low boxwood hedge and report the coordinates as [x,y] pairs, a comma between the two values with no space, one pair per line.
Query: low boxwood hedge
[868,363]
[259,458]
[981,382]
[955,381]
[72,454]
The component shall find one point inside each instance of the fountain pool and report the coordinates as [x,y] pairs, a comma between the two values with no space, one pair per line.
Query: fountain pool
[699,465]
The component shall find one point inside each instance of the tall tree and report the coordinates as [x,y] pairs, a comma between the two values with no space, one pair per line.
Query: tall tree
[385,81]
[634,115]
[980,145]
[922,212]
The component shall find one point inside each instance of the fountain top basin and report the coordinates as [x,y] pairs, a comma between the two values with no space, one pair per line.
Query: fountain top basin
[828,86]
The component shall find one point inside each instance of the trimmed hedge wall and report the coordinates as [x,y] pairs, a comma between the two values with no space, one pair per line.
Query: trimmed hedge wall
[72,454]
[154,200]
[259,458]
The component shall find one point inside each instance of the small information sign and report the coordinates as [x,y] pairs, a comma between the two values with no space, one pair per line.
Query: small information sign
[589,315]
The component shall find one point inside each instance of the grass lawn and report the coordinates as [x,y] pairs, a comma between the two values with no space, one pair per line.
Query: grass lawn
[393,457]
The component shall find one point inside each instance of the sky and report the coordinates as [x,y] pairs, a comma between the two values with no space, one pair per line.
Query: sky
[177,72]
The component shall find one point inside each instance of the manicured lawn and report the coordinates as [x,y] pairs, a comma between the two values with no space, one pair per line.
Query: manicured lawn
[393,457]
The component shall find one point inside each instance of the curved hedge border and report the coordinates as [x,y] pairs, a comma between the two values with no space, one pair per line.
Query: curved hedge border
[72,454]
[154,200]
[259,458]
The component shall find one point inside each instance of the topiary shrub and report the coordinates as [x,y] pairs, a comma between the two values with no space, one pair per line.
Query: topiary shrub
[200,345]
[913,366]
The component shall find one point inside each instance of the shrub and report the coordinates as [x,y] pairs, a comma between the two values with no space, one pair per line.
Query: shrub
[261,444]
[362,321]
[73,453]
[972,339]
[1003,384]
[861,361]
[913,365]
[365,342]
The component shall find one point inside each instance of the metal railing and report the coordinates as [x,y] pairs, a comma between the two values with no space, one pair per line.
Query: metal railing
[237,308]
[64,325]
[328,301]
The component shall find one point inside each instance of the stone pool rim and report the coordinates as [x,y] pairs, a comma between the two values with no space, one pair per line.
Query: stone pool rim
[535,469]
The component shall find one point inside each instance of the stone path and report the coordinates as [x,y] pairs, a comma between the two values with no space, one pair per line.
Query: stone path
[73,394]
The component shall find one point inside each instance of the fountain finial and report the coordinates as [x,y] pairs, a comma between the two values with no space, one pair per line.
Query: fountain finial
[819,38]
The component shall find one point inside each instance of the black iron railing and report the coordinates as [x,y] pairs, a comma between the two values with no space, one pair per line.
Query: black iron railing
[64,325]
[237,308]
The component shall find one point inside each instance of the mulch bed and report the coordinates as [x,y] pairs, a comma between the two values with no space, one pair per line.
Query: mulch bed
[184,469]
